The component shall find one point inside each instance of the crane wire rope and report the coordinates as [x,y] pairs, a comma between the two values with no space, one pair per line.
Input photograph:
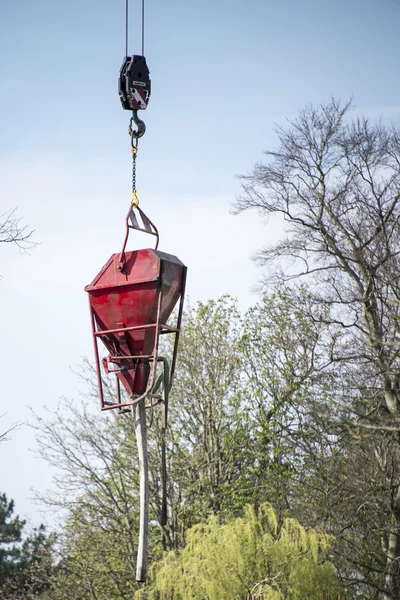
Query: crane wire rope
[134,147]
[127,27]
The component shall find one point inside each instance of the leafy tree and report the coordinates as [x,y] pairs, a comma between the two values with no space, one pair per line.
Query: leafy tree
[243,390]
[97,488]
[96,559]
[253,555]
[96,456]
[336,184]
[207,435]
[26,561]
[282,366]
[10,536]
[306,460]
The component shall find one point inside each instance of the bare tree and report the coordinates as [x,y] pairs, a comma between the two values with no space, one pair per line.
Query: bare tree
[4,434]
[12,231]
[336,183]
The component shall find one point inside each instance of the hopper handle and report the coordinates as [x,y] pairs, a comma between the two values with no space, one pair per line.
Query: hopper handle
[132,222]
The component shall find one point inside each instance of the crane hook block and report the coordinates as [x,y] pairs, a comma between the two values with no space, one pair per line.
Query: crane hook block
[134,84]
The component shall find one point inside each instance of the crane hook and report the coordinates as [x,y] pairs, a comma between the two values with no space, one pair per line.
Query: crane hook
[141,127]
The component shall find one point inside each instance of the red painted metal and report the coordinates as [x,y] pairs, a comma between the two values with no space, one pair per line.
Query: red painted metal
[130,300]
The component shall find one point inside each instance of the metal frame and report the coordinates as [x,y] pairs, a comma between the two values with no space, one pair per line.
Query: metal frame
[161,329]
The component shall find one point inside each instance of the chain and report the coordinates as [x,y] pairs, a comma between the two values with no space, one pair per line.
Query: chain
[134,150]
[134,155]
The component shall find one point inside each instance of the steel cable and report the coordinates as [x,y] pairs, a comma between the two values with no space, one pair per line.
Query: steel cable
[127,27]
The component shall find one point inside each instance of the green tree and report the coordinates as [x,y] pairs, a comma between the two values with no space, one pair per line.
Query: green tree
[282,367]
[336,184]
[26,560]
[207,435]
[250,555]
[96,459]
[244,389]
[97,489]
[10,536]
[96,558]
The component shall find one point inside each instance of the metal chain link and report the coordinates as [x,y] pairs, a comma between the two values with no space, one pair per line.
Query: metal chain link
[134,155]
[134,150]
[134,198]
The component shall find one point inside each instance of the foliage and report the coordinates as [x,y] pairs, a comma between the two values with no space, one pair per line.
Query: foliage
[242,387]
[99,490]
[26,561]
[336,184]
[10,535]
[96,559]
[208,419]
[250,555]
[282,367]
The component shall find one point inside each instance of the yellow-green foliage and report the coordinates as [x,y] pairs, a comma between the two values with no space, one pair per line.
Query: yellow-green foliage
[249,555]
[97,563]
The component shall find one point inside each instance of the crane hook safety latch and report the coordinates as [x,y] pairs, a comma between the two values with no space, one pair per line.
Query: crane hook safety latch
[134,85]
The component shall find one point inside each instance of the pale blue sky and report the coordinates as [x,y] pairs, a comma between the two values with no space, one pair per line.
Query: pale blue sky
[223,74]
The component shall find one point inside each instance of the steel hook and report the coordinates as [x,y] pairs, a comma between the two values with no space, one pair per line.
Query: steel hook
[141,127]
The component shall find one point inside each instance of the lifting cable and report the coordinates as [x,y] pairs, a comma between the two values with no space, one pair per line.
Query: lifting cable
[134,91]
[127,27]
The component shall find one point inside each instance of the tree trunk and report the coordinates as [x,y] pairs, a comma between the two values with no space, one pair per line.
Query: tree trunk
[392,577]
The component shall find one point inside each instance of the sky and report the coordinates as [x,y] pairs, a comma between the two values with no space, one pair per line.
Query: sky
[224,76]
